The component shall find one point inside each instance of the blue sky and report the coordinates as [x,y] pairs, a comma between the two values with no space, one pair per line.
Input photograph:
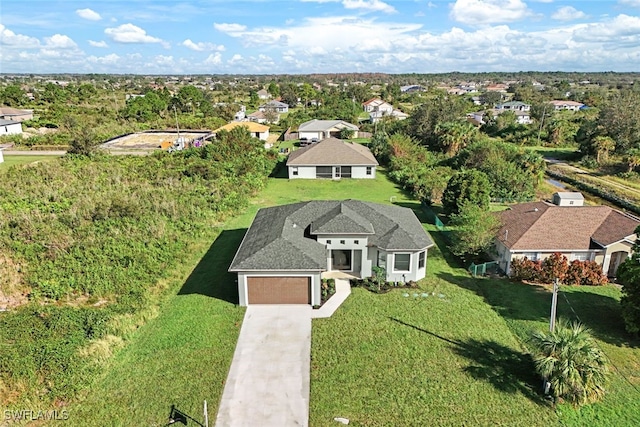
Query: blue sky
[318,36]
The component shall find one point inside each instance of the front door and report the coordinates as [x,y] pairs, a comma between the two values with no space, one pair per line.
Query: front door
[341,260]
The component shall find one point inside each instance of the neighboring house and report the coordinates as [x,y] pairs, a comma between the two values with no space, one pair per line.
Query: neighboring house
[377,109]
[277,106]
[498,87]
[567,105]
[15,115]
[321,129]
[332,158]
[240,114]
[287,248]
[263,94]
[9,127]
[1,157]
[377,104]
[411,88]
[536,230]
[257,130]
[513,106]
[257,117]
[522,117]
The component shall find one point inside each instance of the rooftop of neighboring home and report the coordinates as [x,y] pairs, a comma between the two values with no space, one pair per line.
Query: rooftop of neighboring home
[323,125]
[276,104]
[546,226]
[332,152]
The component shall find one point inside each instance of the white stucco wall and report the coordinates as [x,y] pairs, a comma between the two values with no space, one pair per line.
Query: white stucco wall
[11,129]
[315,283]
[309,135]
[309,172]
[353,242]
[1,157]
[414,272]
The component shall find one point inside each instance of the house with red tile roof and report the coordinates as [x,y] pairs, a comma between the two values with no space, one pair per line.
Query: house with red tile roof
[537,230]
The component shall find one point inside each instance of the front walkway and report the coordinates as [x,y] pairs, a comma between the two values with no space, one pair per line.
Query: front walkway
[268,383]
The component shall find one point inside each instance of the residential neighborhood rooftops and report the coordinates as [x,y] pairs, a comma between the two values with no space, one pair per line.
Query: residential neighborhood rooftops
[544,226]
[332,152]
[279,237]
[323,125]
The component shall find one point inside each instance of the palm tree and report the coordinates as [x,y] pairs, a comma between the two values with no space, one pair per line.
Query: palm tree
[633,158]
[570,360]
[603,145]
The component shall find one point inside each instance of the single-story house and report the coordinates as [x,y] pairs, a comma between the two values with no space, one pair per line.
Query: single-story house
[277,106]
[536,230]
[257,117]
[522,117]
[287,248]
[15,115]
[321,129]
[566,105]
[411,88]
[9,127]
[377,104]
[513,106]
[332,158]
[256,129]
[263,94]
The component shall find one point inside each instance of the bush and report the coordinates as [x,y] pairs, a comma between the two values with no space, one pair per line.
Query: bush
[586,273]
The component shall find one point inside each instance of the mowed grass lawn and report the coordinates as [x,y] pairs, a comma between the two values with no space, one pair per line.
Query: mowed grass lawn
[21,160]
[453,358]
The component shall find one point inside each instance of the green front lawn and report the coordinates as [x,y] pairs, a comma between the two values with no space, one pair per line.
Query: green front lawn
[21,160]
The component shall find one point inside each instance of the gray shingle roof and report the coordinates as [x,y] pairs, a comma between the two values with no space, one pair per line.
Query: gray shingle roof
[280,238]
[332,152]
[316,125]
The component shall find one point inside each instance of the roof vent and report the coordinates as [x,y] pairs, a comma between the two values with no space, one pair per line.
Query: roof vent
[534,209]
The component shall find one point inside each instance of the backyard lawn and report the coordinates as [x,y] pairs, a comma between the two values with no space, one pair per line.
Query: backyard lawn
[454,357]
[21,160]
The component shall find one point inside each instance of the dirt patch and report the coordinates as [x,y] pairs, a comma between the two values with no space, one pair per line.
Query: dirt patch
[151,140]
[12,290]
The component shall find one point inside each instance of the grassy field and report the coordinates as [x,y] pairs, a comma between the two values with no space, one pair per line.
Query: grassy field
[22,160]
[453,358]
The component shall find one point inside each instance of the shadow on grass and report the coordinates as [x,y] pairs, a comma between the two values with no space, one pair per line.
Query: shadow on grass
[522,301]
[505,369]
[210,277]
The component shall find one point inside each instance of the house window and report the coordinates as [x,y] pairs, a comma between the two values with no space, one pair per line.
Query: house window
[356,242]
[294,171]
[421,259]
[342,242]
[369,170]
[580,256]
[382,259]
[531,256]
[401,262]
[328,242]
[324,172]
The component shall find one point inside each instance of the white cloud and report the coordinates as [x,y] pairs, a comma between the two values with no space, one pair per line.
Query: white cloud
[568,13]
[214,59]
[431,5]
[202,46]
[101,43]
[111,59]
[11,39]
[229,28]
[129,33]
[88,14]
[632,3]
[235,59]
[59,41]
[369,5]
[483,12]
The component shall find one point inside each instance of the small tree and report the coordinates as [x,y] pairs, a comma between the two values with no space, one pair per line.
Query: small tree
[346,133]
[629,276]
[466,186]
[571,361]
[554,267]
[474,230]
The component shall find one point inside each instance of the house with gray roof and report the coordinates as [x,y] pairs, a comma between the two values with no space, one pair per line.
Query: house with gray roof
[537,230]
[277,106]
[288,248]
[320,129]
[332,158]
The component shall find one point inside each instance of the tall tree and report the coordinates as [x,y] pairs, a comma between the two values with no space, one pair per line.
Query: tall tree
[13,96]
[454,136]
[424,119]
[473,230]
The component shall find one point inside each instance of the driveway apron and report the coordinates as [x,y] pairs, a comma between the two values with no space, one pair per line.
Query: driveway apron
[268,383]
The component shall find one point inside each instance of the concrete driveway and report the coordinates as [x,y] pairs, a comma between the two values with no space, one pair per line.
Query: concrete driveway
[268,383]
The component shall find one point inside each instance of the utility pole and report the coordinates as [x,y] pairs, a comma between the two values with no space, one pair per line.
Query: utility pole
[554,306]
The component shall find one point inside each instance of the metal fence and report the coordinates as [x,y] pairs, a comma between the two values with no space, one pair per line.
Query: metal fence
[484,268]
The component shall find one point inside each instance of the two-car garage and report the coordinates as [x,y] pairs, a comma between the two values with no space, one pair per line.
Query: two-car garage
[278,290]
